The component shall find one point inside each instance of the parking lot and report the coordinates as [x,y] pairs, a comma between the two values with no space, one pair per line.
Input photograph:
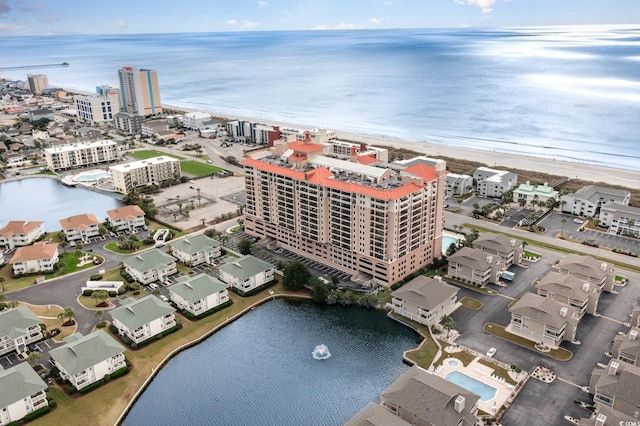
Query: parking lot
[11,359]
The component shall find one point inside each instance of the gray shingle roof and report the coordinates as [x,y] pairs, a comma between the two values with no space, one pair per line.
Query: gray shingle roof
[426,292]
[245,267]
[197,288]
[593,193]
[153,259]
[564,285]
[376,415]
[82,352]
[584,265]
[498,242]
[543,310]
[475,258]
[19,382]
[195,244]
[14,322]
[141,311]
[625,385]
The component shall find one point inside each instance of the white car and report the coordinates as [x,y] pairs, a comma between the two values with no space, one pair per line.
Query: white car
[164,298]
[153,286]
[491,352]
[579,221]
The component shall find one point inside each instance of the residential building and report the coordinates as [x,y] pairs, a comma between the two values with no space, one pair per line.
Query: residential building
[570,291]
[589,199]
[367,154]
[84,360]
[635,316]
[543,320]
[421,397]
[38,114]
[139,91]
[141,319]
[18,328]
[492,182]
[128,123]
[97,109]
[621,219]
[424,299]
[474,266]
[80,154]
[376,415]
[626,347]
[23,392]
[195,120]
[126,217]
[38,257]
[457,184]
[80,227]
[198,294]
[150,266]
[156,129]
[589,270]
[91,133]
[196,249]
[605,416]
[509,250]
[617,386]
[152,171]
[379,222]
[37,83]
[20,233]
[246,273]
[529,194]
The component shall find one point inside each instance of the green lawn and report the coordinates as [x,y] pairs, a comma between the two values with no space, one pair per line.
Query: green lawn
[426,352]
[71,265]
[113,246]
[197,168]
[560,354]
[471,303]
[498,371]
[150,153]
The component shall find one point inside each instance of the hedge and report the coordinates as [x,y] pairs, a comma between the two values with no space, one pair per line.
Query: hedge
[255,290]
[96,277]
[107,378]
[38,413]
[134,345]
[87,292]
[192,317]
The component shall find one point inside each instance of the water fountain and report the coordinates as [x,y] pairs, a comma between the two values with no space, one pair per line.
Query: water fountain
[321,352]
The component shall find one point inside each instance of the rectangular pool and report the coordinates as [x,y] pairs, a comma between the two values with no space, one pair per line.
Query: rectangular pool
[486,392]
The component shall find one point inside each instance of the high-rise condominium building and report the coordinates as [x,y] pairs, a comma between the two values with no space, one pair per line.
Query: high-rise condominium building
[80,154]
[152,171]
[37,83]
[96,108]
[378,222]
[139,91]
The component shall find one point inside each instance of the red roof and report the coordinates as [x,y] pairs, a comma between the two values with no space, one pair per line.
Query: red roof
[368,159]
[424,171]
[305,147]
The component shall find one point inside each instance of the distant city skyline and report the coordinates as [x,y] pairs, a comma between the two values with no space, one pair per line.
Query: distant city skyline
[32,17]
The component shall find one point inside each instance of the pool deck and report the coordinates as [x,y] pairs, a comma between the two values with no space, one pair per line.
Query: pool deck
[483,374]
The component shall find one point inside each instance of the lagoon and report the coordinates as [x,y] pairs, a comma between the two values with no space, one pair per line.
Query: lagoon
[259,370]
[48,200]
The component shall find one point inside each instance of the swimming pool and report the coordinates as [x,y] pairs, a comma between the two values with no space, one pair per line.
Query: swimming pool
[453,363]
[91,176]
[486,392]
[446,242]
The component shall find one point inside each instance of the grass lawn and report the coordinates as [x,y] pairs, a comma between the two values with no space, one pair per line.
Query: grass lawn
[560,354]
[471,303]
[531,255]
[113,246]
[498,371]
[48,316]
[111,399]
[150,153]
[197,168]
[424,354]
[71,265]
[483,290]
[464,357]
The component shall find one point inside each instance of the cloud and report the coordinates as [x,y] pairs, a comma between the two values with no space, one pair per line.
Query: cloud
[34,7]
[4,7]
[119,23]
[232,22]
[249,25]
[10,28]
[374,21]
[263,4]
[485,5]
[50,18]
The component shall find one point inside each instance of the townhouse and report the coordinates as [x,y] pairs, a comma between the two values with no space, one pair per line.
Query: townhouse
[474,266]
[198,294]
[424,299]
[23,392]
[246,273]
[18,328]
[196,249]
[20,233]
[509,250]
[589,269]
[142,319]
[38,257]
[80,227]
[126,217]
[570,291]
[150,266]
[588,200]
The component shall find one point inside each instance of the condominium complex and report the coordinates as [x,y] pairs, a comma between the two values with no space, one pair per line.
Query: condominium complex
[37,83]
[136,174]
[128,123]
[378,222]
[139,91]
[97,109]
[80,154]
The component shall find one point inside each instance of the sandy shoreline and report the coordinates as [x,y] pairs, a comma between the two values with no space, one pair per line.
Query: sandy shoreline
[582,171]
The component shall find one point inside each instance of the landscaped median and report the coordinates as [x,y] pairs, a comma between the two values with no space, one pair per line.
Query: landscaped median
[471,303]
[105,406]
[560,354]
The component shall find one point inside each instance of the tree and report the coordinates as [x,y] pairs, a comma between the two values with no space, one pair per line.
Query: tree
[2,280]
[448,323]
[563,221]
[60,316]
[99,314]
[3,297]
[100,295]
[156,292]
[244,246]
[64,244]
[69,314]
[34,356]
[319,290]
[295,276]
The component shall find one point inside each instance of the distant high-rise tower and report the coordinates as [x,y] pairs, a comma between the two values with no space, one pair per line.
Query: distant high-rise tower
[37,83]
[139,91]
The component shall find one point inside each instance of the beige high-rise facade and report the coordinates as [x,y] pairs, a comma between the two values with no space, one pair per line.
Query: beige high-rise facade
[152,171]
[139,91]
[80,154]
[378,223]
[37,83]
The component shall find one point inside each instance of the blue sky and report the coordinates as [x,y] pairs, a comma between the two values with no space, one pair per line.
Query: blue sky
[23,17]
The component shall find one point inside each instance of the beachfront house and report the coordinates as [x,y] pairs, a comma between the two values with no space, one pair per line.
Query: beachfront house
[376,415]
[543,320]
[23,392]
[198,294]
[80,227]
[570,291]
[421,397]
[18,328]
[126,217]
[141,319]
[588,200]
[473,266]
[424,299]
[18,233]
[196,249]
[38,257]
[588,269]
[246,273]
[509,250]
[493,182]
[84,360]
[616,386]
[620,219]
[527,194]
[626,347]
[153,265]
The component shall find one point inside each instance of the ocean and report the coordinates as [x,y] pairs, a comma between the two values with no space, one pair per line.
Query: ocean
[569,93]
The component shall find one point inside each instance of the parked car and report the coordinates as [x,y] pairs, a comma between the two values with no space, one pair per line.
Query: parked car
[33,347]
[579,221]
[491,352]
[111,234]
[164,298]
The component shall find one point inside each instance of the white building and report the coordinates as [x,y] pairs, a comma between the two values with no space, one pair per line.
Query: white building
[458,185]
[587,200]
[195,120]
[80,227]
[150,266]
[97,109]
[534,194]
[246,273]
[18,328]
[23,392]
[126,217]
[621,219]
[39,257]
[80,154]
[20,233]
[492,182]
[152,171]
[196,249]
[198,294]
[84,360]
[424,299]
[141,319]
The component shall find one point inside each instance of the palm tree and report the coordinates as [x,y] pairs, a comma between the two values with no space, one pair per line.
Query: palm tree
[69,313]
[448,323]
[64,244]
[60,316]
[563,220]
[99,314]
